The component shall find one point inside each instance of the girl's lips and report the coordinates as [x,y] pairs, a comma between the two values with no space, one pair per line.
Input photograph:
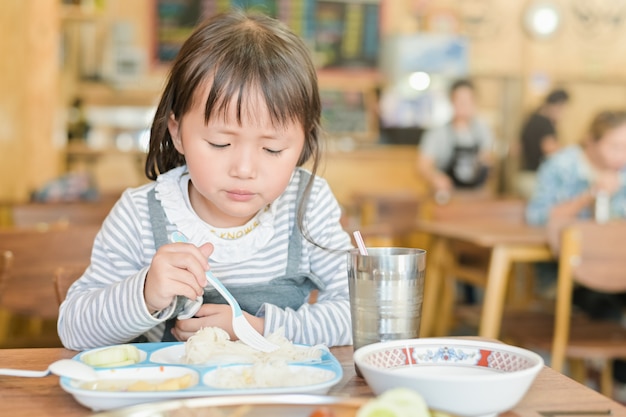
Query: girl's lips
[240,195]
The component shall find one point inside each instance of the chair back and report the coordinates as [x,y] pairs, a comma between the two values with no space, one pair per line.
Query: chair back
[592,255]
[36,255]
[6,257]
[63,279]
[596,254]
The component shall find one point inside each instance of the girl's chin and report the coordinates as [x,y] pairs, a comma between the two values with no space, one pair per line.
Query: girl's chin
[235,218]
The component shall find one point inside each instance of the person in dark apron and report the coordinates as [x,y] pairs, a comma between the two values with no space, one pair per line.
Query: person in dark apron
[456,155]
[465,168]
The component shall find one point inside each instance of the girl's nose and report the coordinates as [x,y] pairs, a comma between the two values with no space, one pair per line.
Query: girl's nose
[243,163]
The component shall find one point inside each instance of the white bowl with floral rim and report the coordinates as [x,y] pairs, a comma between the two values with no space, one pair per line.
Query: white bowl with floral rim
[465,377]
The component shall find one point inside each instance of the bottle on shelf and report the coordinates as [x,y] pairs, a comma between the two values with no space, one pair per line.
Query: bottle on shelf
[77,126]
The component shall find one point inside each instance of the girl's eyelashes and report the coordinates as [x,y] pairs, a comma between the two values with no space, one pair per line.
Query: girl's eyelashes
[272,151]
[225,145]
[219,145]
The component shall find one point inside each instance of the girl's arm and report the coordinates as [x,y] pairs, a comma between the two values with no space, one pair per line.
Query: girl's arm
[106,305]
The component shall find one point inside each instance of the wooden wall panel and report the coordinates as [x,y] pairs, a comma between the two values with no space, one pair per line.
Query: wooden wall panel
[28,98]
[384,170]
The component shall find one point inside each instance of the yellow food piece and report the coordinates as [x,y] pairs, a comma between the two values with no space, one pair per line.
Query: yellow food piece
[121,355]
[175,384]
[171,384]
[121,385]
[140,386]
[439,414]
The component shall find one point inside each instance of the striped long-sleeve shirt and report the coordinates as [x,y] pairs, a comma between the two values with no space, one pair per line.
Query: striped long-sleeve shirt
[106,305]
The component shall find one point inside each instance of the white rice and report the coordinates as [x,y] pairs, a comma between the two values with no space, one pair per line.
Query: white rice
[213,345]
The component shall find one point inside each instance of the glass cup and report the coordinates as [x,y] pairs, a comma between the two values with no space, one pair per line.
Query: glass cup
[386,293]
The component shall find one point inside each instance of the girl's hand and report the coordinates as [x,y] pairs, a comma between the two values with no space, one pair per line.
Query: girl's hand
[176,269]
[214,315]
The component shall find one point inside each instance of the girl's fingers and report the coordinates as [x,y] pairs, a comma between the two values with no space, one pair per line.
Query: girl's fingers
[176,269]
[189,249]
[189,282]
[189,257]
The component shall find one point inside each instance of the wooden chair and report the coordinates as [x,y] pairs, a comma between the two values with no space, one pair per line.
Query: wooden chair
[468,263]
[6,257]
[27,298]
[64,277]
[590,255]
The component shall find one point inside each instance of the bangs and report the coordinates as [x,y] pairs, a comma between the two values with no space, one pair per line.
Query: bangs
[257,71]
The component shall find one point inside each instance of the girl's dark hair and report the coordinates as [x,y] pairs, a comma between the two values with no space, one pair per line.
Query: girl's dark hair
[240,53]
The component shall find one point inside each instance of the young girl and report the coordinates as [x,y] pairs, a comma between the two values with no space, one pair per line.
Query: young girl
[238,118]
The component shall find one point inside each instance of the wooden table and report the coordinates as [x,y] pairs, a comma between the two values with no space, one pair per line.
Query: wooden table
[508,242]
[44,396]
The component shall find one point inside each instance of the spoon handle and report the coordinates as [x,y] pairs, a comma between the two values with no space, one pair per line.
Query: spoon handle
[23,372]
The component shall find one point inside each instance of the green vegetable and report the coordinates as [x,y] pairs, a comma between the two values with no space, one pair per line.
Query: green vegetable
[408,400]
[378,408]
[121,355]
[396,402]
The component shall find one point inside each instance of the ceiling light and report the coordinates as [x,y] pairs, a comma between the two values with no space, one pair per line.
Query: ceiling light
[419,80]
[542,19]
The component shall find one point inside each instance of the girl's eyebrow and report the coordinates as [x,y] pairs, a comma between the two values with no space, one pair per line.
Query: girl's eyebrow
[272,136]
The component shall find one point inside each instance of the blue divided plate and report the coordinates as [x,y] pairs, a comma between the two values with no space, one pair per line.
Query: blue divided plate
[162,361]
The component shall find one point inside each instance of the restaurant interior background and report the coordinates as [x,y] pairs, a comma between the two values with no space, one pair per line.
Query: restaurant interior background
[111,57]
[79,82]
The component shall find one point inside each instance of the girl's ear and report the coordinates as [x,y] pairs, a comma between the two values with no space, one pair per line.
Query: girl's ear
[173,126]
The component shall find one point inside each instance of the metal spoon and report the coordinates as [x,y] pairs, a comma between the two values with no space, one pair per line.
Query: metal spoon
[64,367]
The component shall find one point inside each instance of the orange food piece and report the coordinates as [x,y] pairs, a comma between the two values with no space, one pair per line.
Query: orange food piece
[322,412]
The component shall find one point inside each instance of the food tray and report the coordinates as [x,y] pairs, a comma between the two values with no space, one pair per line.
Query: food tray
[164,360]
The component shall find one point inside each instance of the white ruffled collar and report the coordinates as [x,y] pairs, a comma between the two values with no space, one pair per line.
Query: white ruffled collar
[173,192]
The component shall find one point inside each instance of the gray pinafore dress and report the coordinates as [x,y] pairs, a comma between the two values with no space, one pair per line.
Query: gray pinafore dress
[288,291]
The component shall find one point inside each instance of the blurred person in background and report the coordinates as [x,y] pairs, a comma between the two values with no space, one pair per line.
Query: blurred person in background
[567,186]
[569,181]
[539,138]
[457,156]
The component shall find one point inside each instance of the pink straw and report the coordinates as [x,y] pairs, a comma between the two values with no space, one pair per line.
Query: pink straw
[360,243]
